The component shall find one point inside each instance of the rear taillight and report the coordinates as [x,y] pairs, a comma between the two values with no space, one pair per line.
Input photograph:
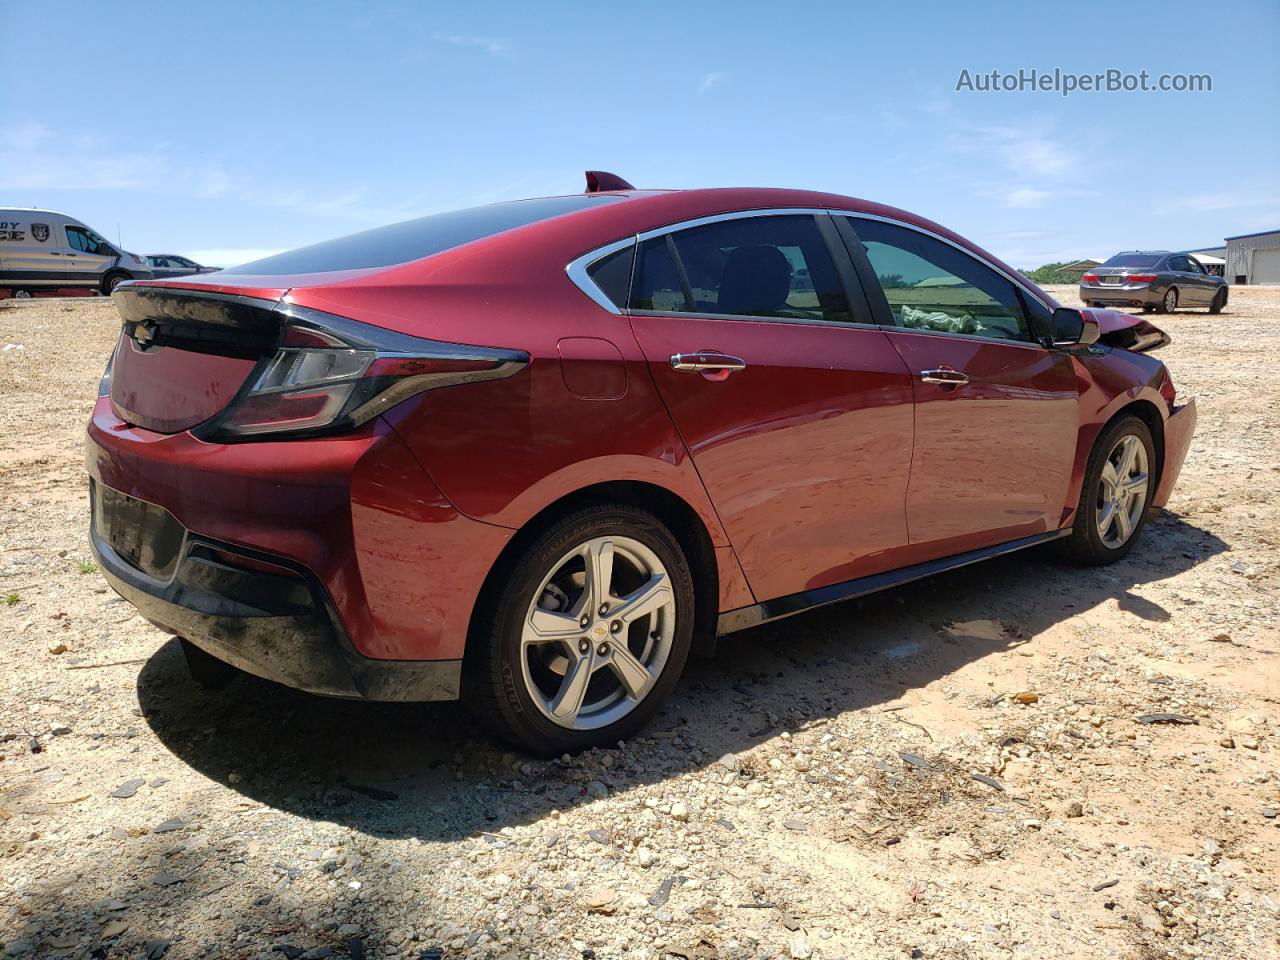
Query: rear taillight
[104,385]
[1089,278]
[1140,278]
[331,374]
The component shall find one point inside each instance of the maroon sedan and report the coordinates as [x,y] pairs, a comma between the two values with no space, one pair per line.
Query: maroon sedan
[532,454]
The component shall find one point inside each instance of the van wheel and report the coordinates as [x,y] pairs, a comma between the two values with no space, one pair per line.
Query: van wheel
[113,280]
[588,632]
[1118,484]
[20,294]
[1219,301]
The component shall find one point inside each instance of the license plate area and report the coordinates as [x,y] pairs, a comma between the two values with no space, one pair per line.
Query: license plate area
[144,535]
[1111,281]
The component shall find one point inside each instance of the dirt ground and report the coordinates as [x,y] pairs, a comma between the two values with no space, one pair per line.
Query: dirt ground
[948,770]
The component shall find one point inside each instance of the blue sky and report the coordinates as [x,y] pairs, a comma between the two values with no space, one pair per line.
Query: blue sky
[224,130]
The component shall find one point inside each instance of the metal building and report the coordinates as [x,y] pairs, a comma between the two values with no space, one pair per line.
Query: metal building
[1254,258]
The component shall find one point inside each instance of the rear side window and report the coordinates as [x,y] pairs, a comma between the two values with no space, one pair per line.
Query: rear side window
[776,266]
[414,239]
[612,274]
[658,284]
[930,285]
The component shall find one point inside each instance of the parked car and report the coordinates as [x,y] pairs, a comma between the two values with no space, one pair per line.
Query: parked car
[171,265]
[43,249]
[1155,280]
[533,453]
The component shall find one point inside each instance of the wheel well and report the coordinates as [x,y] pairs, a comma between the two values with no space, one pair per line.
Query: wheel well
[680,518]
[1145,411]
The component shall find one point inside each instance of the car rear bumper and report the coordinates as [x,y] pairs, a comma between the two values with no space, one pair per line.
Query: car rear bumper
[1133,296]
[331,564]
[1178,431]
[278,625]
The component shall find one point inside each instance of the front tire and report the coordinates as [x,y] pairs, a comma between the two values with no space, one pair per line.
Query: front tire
[111,281]
[1219,301]
[1118,485]
[589,630]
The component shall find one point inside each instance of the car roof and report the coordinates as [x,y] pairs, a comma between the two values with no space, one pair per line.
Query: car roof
[560,239]
[56,213]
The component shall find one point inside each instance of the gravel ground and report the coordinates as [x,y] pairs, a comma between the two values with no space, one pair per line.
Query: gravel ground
[951,769]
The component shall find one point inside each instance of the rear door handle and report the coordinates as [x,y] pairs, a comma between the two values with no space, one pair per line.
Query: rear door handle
[952,377]
[703,361]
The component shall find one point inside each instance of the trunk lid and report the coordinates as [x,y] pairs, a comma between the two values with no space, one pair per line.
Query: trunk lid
[184,353]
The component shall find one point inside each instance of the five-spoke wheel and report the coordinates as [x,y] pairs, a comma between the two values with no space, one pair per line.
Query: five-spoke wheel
[1122,491]
[598,632]
[1118,486]
[585,632]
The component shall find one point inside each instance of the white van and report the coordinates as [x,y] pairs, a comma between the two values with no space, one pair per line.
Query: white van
[40,249]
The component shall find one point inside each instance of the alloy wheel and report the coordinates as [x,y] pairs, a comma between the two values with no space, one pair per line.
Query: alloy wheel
[598,633]
[1122,491]
[1171,300]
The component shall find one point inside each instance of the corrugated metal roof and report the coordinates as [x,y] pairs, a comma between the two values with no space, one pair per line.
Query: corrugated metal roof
[1245,236]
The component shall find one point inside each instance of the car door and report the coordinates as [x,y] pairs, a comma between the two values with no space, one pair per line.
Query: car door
[1205,286]
[163,267]
[996,412]
[796,409]
[90,256]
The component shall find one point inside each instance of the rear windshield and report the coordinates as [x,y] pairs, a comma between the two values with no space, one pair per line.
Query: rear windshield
[414,239]
[1134,260]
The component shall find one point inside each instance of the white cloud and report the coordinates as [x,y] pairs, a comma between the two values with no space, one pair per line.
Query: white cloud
[494,46]
[713,79]
[1025,198]
[1037,156]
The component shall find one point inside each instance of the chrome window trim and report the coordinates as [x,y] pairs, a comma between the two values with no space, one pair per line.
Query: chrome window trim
[577,269]
[1020,283]
[1026,344]
[741,317]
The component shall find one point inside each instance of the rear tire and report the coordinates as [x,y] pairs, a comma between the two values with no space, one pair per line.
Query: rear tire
[1219,301]
[540,678]
[20,294]
[208,672]
[1170,302]
[1106,525]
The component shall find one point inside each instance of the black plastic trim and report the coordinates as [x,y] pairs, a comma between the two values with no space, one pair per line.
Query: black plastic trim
[279,627]
[746,617]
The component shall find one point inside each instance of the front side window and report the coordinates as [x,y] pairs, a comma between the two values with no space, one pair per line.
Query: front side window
[87,241]
[931,285]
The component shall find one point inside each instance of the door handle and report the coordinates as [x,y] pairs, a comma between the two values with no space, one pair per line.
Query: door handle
[951,377]
[703,361]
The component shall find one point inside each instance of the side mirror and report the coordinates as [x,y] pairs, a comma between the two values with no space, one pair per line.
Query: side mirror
[1072,328]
